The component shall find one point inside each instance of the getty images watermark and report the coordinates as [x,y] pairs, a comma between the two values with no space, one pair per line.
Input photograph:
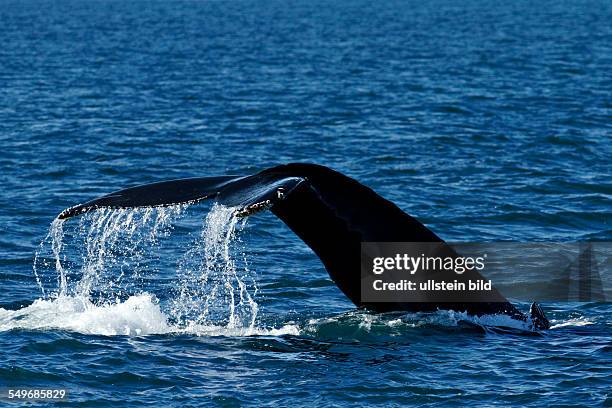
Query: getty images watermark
[485,272]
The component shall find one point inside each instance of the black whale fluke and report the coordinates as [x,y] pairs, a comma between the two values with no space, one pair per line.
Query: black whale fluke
[332,213]
[164,193]
[235,191]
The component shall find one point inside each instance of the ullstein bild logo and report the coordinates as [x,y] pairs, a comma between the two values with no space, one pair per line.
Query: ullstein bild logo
[485,272]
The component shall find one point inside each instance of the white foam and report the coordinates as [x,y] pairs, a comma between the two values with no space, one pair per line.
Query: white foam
[141,315]
[443,318]
[229,331]
[578,322]
[138,315]
[498,320]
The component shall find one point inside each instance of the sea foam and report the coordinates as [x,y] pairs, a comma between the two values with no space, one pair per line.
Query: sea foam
[136,316]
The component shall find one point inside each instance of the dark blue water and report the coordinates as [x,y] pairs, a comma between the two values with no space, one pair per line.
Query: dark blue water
[487,121]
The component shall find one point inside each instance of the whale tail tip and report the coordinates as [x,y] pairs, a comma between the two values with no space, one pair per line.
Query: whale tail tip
[538,317]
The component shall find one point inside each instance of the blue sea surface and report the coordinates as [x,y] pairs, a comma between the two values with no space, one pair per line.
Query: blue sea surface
[486,120]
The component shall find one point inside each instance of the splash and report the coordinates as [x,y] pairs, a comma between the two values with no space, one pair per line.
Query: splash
[102,276]
[106,253]
[117,244]
[139,315]
[55,235]
[213,287]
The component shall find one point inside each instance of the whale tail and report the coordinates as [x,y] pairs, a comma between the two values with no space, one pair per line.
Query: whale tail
[538,318]
[332,213]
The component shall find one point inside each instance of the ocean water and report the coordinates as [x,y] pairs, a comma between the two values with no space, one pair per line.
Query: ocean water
[488,121]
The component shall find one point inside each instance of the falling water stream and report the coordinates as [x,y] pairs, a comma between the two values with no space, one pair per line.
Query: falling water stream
[98,276]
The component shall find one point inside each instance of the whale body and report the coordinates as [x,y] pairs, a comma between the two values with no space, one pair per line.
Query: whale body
[332,213]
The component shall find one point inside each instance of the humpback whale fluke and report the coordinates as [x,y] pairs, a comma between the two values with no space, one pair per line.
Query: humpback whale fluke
[332,213]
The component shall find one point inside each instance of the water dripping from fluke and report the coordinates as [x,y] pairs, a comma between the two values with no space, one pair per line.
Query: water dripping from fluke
[215,285]
[95,276]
